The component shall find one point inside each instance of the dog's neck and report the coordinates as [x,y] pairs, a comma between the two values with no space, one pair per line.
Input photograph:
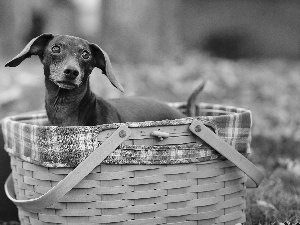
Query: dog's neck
[78,107]
[69,107]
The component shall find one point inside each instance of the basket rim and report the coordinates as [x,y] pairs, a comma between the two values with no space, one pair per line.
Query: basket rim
[40,144]
[35,116]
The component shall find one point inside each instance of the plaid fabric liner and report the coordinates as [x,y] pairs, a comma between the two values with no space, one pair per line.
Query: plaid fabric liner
[28,137]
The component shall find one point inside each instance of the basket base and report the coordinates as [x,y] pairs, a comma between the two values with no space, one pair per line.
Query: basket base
[197,193]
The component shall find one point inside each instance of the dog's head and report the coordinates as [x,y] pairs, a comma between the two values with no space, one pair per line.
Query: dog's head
[68,61]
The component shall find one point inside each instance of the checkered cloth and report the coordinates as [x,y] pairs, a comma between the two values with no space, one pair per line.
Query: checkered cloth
[28,137]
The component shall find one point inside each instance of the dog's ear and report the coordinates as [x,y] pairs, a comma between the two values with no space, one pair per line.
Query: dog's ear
[102,62]
[35,47]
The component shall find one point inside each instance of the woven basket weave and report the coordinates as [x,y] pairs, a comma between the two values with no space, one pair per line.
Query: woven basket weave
[160,172]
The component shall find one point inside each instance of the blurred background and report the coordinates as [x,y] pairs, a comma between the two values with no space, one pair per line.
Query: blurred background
[248,50]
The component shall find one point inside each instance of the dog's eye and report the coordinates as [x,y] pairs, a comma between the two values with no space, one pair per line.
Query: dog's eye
[55,49]
[85,55]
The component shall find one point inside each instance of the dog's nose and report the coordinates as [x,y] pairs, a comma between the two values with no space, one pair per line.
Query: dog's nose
[71,72]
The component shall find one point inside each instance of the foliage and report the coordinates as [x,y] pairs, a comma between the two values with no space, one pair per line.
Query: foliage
[269,88]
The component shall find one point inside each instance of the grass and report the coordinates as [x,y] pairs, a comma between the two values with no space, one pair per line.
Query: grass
[276,200]
[269,88]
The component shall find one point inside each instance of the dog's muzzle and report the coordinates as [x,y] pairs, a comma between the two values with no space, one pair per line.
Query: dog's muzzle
[65,84]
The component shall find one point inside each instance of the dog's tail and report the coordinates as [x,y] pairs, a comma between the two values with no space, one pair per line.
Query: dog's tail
[191,102]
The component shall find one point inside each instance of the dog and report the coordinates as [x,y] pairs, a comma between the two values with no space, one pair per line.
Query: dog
[68,62]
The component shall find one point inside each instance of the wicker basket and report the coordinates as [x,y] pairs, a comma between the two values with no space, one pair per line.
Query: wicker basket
[167,172]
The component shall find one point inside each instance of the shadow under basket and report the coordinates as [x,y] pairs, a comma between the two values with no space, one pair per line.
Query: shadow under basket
[186,171]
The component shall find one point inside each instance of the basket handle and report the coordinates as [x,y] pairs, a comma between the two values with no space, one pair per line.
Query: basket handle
[200,130]
[74,177]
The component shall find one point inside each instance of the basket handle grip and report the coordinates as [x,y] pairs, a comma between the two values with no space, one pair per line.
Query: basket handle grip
[74,177]
[203,132]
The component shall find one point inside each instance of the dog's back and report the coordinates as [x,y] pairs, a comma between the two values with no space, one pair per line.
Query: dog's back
[139,109]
